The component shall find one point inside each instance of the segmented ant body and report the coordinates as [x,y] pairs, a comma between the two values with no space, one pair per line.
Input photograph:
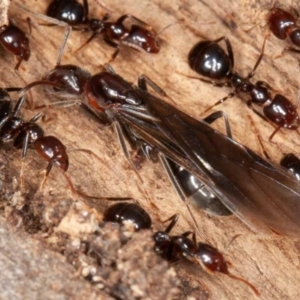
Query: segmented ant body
[283,25]
[128,212]
[176,247]
[208,59]
[29,135]
[139,36]
[14,40]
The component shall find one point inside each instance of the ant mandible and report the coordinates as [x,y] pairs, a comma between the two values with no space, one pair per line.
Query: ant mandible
[208,59]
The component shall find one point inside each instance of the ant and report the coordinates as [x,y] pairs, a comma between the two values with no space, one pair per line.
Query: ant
[128,212]
[209,60]
[140,36]
[176,247]
[291,162]
[283,24]
[26,135]
[14,40]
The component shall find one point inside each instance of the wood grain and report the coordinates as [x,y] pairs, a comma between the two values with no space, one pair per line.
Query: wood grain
[271,264]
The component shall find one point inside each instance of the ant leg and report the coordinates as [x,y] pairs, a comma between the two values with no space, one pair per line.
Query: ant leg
[165,163]
[24,153]
[65,103]
[113,45]
[230,95]
[18,105]
[29,26]
[13,89]
[251,74]
[19,61]
[143,81]
[86,42]
[67,27]
[46,173]
[214,83]
[258,113]
[121,138]
[228,46]
[274,132]
[102,6]
[216,115]
[86,7]
[135,19]
[173,220]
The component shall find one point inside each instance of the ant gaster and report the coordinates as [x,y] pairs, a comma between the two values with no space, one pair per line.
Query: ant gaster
[283,25]
[208,59]
[291,162]
[176,247]
[128,212]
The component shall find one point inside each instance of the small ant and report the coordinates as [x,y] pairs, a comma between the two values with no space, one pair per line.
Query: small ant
[291,162]
[128,212]
[283,24]
[208,59]
[27,135]
[140,36]
[14,40]
[176,247]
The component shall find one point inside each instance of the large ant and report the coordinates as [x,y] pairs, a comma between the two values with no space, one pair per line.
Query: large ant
[209,60]
[283,24]
[14,40]
[176,247]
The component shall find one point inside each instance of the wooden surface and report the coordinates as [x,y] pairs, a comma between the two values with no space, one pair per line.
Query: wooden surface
[271,264]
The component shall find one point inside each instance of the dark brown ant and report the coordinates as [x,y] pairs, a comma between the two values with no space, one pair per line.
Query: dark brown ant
[140,36]
[128,212]
[283,25]
[14,40]
[291,162]
[208,59]
[176,247]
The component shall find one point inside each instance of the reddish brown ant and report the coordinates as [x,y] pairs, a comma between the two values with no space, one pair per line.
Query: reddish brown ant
[208,59]
[14,40]
[28,135]
[176,247]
